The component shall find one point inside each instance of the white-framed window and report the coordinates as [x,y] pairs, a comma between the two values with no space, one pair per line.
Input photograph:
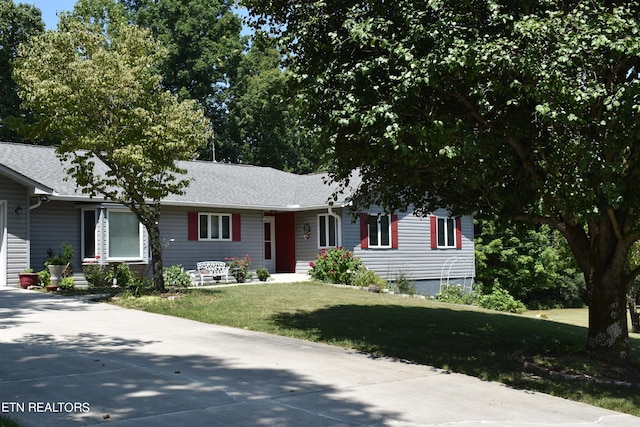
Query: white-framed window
[125,240]
[446,232]
[379,231]
[328,231]
[214,226]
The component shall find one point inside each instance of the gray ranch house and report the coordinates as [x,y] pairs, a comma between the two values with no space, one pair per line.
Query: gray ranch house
[281,220]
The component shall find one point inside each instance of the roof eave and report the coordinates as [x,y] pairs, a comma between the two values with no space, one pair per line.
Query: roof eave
[36,188]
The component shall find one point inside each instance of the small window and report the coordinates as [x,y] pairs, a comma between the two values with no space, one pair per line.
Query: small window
[379,231]
[446,233]
[214,227]
[328,231]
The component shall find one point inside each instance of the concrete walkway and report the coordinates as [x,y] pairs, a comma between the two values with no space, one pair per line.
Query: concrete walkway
[65,362]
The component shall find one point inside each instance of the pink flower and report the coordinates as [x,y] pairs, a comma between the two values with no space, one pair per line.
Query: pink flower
[312,264]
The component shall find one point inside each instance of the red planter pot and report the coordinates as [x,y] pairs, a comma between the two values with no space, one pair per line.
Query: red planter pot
[28,279]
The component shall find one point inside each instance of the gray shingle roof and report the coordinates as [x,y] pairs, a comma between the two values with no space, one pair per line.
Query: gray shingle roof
[214,184]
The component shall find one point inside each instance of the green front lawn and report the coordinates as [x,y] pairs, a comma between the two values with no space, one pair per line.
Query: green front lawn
[458,338]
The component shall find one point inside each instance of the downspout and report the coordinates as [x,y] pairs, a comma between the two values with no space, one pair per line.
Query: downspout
[37,205]
[39,202]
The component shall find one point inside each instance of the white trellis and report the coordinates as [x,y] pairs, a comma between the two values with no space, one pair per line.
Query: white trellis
[467,276]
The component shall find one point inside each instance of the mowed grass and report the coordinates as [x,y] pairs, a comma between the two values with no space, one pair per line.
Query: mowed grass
[462,339]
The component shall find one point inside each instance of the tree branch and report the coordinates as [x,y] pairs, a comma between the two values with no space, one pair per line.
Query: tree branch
[614,222]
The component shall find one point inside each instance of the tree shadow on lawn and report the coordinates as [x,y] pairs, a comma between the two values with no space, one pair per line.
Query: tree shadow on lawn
[476,343]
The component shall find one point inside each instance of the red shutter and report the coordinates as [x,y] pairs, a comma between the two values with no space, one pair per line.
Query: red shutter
[236,228]
[394,231]
[458,233]
[192,220]
[364,231]
[434,232]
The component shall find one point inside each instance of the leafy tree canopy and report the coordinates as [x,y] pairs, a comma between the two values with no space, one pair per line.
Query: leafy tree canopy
[262,119]
[526,109]
[18,22]
[96,90]
[204,48]
[238,80]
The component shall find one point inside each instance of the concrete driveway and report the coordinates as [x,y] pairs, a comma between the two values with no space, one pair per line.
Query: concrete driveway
[66,362]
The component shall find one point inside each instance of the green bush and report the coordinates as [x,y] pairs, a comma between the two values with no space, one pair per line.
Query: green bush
[263,274]
[45,277]
[98,275]
[335,265]
[66,283]
[126,277]
[363,278]
[402,284]
[176,276]
[455,294]
[500,300]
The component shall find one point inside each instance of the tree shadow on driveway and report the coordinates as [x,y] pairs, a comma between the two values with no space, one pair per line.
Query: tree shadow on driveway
[52,378]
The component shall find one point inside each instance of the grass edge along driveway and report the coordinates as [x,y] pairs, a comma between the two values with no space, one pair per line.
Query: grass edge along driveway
[461,339]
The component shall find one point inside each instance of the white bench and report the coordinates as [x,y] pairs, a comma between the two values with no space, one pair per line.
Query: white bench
[214,269]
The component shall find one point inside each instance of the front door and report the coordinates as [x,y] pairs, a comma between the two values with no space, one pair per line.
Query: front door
[270,243]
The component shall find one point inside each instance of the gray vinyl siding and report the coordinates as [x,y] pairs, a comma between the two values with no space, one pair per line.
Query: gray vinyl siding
[307,249]
[17,250]
[57,222]
[52,224]
[174,230]
[414,257]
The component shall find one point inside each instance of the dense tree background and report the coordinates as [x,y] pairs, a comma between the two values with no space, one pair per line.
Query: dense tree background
[18,22]
[523,109]
[262,122]
[534,264]
[237,79]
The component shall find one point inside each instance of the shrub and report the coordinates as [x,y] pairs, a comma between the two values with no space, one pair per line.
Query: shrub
[176,276]
[45,277]
[125,276]
[363,278]
[98,275]
[500,300]
[263,274]
[66,283]
[455,294]
[239,267]
[403,284]
[335,265]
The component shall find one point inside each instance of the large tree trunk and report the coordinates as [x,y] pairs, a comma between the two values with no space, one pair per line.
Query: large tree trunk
[603,258]
[608,330]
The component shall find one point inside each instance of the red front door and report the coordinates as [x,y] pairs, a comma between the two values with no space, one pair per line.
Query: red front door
[285,242]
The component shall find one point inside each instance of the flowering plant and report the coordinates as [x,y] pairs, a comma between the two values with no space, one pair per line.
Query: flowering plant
[335,265]
[239,267]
